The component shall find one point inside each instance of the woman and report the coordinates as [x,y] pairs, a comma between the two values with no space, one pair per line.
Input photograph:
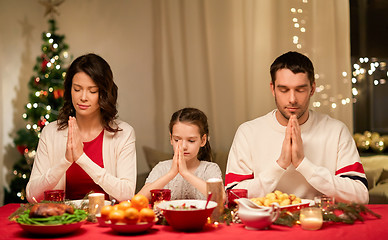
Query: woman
[87,148]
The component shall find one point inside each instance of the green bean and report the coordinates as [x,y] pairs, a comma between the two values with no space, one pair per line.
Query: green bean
[66,218]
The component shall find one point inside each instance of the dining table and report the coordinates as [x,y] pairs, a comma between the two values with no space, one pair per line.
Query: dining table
[370,228]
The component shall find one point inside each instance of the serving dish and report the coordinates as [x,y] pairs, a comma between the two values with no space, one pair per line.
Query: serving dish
[296,207]
[50,230]
[293,207]
[83,203]
[187,219]
[130,228]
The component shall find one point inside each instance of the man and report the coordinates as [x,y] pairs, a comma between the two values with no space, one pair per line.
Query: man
[294,149]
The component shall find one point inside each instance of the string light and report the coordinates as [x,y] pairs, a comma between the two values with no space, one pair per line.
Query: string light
[298,21]
[48,34]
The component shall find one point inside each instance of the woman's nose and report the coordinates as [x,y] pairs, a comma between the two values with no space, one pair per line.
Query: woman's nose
[84,96]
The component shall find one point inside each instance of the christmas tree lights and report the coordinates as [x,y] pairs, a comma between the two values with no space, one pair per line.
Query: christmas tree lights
[45,100]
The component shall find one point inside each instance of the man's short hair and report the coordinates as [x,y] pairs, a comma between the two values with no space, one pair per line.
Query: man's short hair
[294,61]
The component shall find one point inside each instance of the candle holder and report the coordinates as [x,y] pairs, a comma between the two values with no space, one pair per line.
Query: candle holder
[216,188]
[324,203]
[235,194]
[96,202]
[311,218]
[159,195]
[54,195]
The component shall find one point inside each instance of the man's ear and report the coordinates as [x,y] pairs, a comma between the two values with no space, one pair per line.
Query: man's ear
[313,86]
[272,88]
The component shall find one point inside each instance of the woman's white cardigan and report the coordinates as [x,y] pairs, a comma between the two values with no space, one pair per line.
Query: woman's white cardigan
[117,178]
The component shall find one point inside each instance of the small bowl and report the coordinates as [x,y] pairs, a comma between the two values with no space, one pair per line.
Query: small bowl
[190,219]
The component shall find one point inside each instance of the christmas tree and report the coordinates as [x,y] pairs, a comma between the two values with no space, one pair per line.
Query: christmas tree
[45,100]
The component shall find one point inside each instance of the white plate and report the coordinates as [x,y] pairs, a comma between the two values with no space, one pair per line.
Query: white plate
[52,229]
[130,228]
[83,203]
[295,207]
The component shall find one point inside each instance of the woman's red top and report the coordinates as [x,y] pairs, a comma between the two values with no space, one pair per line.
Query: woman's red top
[78,182]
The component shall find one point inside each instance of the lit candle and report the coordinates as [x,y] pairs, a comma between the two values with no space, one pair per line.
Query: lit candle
[311,218]
[96,202]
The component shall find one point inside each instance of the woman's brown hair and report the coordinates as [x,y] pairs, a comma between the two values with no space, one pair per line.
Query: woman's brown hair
[98,70]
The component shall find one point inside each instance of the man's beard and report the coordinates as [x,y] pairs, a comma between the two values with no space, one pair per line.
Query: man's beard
[284,114]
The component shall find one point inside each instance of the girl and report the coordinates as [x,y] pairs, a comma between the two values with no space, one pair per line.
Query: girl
[186,174]
[86,148]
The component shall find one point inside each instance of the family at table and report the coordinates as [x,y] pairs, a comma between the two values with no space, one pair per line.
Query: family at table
[292,148]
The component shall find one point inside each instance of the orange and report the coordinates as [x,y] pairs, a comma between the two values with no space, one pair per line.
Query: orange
[131,215]
[115,207]
[139,201]
[124,205]
[147,215]
[105,210]
[116,216]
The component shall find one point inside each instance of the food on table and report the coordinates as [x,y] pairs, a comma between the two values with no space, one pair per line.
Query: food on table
[139,201]
[131,215]
[49,209]
[124,205]
[51,214]
[105,210]
[146,215]
[116,216]
[130,212]
[181,207]
[283,199]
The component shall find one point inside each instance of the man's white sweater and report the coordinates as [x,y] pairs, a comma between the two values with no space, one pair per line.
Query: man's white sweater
[331,165]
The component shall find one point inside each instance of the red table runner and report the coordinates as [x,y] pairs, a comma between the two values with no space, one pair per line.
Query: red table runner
[372,228]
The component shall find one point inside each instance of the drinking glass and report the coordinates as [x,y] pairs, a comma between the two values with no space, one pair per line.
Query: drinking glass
[158,195]
[235,194]
[54,195]
[324,202]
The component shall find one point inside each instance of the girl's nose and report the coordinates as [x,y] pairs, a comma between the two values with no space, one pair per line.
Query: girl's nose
[184,145]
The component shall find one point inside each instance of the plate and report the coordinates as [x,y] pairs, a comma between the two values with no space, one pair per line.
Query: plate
[296,207]
[83,203]
[130,228]
[58,229]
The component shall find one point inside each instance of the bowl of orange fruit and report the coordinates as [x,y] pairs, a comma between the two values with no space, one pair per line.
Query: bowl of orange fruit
[132,216]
